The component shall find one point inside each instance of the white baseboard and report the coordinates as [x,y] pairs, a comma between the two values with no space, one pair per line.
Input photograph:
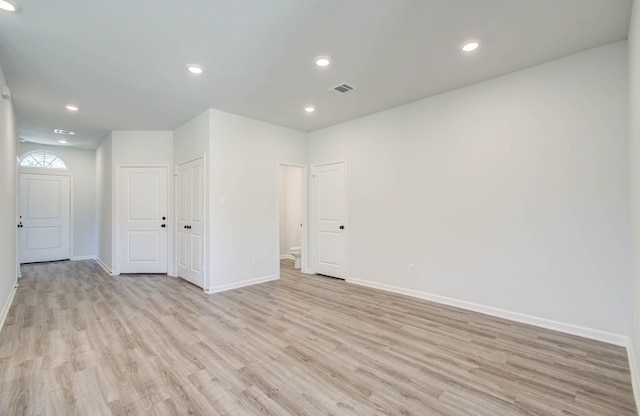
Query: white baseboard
[7,305]
[104,266]
[76,258]
[615,339]
[250,282]
[287,257]
[635,373]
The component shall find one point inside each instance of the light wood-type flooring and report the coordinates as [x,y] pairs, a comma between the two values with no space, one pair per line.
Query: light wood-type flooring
[80,342]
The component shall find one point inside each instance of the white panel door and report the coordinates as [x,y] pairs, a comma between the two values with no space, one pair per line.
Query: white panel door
[143,224]
[191,221]
[329,219]
[44,217]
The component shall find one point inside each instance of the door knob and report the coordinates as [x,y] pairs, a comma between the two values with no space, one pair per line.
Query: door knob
[163,225]
[342,227]
[164,218]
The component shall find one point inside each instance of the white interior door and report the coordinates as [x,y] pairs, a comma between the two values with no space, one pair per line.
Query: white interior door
[143,224]
[44,217]
[329,219]
[191,221]
[183,211]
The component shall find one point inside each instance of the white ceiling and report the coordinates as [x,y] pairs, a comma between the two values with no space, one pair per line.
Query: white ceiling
[123,62]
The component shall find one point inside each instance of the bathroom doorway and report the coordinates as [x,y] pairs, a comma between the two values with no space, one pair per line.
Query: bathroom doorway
[292,208]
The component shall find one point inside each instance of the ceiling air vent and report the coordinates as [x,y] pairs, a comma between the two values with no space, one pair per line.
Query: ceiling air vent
[59,131]
[341,89]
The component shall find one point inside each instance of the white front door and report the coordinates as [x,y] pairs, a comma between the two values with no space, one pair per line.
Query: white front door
[143,221]
[329,211]
[191,224]
[44,217]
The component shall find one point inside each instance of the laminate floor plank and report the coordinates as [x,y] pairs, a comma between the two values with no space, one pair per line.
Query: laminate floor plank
[77,341]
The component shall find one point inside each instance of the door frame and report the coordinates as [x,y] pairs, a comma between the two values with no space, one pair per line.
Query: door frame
[115,243]
[313,237]
[46,172]
[206,259]
[304,217]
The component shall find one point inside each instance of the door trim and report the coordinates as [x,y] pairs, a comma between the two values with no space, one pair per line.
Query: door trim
[46,172]
[115,239]
[304,217]
[313,235]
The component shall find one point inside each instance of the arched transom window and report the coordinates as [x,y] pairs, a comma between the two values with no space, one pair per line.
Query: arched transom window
[42,159]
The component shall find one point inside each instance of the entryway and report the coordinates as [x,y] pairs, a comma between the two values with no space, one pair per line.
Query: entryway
[44,217]
[292,207]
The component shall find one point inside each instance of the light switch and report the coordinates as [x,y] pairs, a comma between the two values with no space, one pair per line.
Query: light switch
[6,93]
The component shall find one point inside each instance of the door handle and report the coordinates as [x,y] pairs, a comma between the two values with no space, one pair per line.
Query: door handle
[163,225]
[342,227]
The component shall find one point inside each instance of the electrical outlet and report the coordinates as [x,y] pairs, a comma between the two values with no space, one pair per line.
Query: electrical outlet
[254,261]
[412,269]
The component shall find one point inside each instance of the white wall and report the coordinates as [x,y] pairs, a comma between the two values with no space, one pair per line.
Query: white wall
[142,148]
[191,140]
[245,155]
[8,201]
[511,193]
[104,201]
[82,165]
[634,138]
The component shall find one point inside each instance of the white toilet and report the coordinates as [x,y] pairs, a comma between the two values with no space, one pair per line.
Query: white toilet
[295,252]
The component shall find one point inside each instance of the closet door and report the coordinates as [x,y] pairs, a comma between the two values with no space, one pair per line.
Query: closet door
[142,225]
[182,231]
[191,222]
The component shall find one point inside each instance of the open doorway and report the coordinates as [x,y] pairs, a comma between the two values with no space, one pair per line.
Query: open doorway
[292,215]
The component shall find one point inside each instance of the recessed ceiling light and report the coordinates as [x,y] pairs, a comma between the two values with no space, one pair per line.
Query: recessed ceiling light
[309,109]
[470,46]
[323,61]
[8,6]
[195,69]
[59,131]
[62,141]
[71,107]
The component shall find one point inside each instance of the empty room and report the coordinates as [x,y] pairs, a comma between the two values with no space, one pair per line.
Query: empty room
[320,207]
